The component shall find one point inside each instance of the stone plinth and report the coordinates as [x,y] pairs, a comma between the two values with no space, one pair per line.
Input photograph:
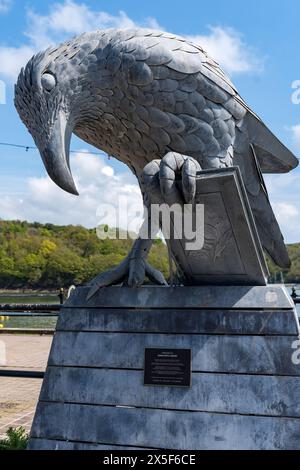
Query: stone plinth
[244,387]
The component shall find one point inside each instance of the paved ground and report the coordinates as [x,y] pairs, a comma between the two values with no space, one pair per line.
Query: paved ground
[18,396]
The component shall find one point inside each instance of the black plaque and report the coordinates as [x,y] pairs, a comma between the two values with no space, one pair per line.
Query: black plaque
[170,367]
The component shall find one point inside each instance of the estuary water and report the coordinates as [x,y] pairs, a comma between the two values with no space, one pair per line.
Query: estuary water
[30,320]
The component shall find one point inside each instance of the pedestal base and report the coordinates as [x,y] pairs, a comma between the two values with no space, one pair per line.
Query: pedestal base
[244,391]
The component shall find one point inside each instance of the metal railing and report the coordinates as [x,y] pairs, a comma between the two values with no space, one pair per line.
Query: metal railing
[27,311]
[24,308]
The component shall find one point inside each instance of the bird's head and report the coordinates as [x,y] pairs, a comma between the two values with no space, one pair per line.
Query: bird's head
[48,99]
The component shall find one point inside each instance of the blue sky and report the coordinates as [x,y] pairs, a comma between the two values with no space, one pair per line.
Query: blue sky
[258,46]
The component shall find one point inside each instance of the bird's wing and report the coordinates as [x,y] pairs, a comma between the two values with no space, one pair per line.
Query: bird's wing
[267,226]
[197,113]
[173,104]
[173,60]
[272,155]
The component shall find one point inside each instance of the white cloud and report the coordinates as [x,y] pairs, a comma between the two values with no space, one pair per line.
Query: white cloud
[108,171]
[99,188]
[228,47]
[5,6]
[285,200]
[286,211]
[70,18]
[64,19]
[13,58]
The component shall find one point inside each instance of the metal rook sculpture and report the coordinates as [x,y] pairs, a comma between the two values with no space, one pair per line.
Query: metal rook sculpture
[162,106]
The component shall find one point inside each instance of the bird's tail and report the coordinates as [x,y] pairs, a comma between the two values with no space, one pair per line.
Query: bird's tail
[267,226]
[268,230]
[273,155]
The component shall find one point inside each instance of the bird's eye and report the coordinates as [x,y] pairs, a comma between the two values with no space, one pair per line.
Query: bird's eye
[48,81]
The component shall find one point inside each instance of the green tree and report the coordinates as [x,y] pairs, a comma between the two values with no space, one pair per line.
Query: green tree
[50,256]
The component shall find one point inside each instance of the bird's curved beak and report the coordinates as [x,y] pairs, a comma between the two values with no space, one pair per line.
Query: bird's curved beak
[56,155]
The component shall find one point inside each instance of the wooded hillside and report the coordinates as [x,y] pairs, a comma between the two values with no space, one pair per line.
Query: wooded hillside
[46,256]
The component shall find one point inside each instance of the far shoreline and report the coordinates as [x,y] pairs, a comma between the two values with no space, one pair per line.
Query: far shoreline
[4,292]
